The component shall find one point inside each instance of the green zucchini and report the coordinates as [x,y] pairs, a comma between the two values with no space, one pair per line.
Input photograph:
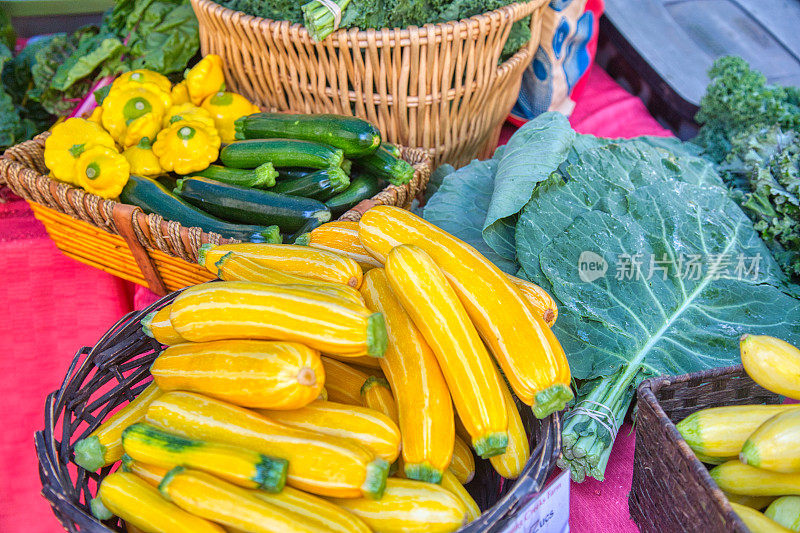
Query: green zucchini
[281,153]
[244,467]
[320,185]
[240,204]
[361,187]
[392,149]
[383,164]
[292,173]
[354,136]
[261,177]
[153,197]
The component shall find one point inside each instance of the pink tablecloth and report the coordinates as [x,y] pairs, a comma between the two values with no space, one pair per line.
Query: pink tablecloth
[51,306]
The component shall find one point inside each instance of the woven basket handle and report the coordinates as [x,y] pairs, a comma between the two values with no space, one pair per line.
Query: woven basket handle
[123,215]
[527,52]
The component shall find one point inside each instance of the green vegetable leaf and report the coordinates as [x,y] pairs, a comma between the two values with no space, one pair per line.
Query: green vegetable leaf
[166,37]
[89,56]
[529,158]
[460,204]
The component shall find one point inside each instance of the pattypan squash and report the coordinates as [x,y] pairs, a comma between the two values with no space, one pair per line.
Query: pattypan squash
[205,78]
[102,171]
[180,94]
[187,147]
[188,113]
[67,141]
[145,76]
[226,107]
[142,159]
[132,111]
[96,116]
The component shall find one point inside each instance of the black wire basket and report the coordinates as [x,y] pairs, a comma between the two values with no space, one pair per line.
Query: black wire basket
[117,368]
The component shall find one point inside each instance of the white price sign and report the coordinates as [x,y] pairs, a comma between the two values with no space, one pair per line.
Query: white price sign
[548,512]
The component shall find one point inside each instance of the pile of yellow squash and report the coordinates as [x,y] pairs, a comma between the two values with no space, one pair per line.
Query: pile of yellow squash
[756,447]
[312,388]
[148,127]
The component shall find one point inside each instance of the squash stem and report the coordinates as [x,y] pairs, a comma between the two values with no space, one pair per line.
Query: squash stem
[423,472]
[491,444]
[377,339]
[145,322]
[90,453]
[375,481]
[204,249]
[99,510]
[271,473]
[552,399]
[265,176]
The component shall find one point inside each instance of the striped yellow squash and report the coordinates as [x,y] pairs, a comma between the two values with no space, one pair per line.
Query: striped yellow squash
[456,488]
[340,237]
[409,506]
[300,260]
[150,473]
[423,399]
[461,431]
[371,429]
[241,466]
[319,511]
[757,522]
[270,375]
[342,381]
[364,361]
[321,464]
[377,394]
[467,367]
[528,352]
[135,501]
[158,326]
[463,463]
[537,299]
[104,445]
[772,363]
[756,502]
[234,267]
[246,310]
[214,499]
[775,445]
[738,478]
[510,464]
[722,431]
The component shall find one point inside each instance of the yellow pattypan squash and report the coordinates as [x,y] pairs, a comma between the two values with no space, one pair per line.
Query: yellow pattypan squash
[96,116]
[226,108]
[205,78]
[132,111]
[188,113]
[180,94]
[67,141]
[145,76]
[187,147]
[142,159]
[102,171]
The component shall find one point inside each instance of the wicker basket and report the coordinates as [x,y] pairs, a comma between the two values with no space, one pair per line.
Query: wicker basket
[113,372]
[440,87]
[672,490]
[122,240]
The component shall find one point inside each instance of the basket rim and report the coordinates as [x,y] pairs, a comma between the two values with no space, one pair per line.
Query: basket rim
[50,451]
[407,33]
[646,392]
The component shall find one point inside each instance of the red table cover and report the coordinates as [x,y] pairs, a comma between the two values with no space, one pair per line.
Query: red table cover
[51,306]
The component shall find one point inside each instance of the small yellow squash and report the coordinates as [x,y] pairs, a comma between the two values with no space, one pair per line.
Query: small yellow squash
[150,473]
[341,237]
[775,445]
[757,522]
[241,466]
[104,445]
[135,501]
[409,506]
[467,367]
[377,394]
[456,488]
[423,399]
[270,375]
[754,502]
[319,511]
[538,300]
[299,260]
[463,463]
[214,499]
[738,478]
[530,355]
[237,310]
[321,464]
[772,363]
[371,429]
[158,326]
[343,382]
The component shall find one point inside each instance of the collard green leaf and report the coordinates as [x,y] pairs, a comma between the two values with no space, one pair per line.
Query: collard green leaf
[90,55]
[530,156]
[166,37]
[460,204]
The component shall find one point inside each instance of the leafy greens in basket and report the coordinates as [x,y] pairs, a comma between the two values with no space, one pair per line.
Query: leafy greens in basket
[654,268]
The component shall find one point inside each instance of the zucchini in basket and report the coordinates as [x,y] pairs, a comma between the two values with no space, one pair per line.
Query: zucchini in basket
[281,153]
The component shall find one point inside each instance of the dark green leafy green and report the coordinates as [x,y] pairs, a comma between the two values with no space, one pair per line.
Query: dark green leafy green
[8,36]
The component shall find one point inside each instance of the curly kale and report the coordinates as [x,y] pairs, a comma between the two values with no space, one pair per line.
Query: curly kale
[749,128]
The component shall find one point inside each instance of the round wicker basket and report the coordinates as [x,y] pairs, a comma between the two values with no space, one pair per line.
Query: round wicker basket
[117,368]
[441,87]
